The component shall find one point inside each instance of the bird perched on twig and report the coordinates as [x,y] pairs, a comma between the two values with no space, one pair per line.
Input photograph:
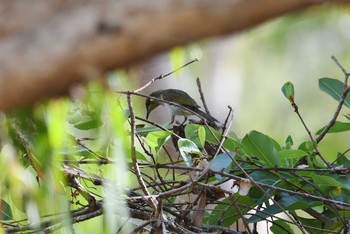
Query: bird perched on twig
[179,97]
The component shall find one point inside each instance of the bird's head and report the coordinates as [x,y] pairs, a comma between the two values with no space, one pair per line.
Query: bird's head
[151,103]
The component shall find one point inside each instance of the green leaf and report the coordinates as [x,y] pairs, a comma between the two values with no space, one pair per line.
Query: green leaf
[288,91]
[188,149]
[222,162]
[290,157]
[337,127]
[306,146]
[157,139]
[143,131]
[88,125]
[326,183]
[195,133]
[5,211]
[230,144]
[291,154]
[280,226]
[334,88]
[287,202]
[289,142]
[261,146]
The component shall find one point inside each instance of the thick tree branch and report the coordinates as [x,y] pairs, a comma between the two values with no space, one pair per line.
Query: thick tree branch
[62,43]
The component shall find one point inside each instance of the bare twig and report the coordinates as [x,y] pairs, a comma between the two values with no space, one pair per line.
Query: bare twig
[151,199]
[296,110]
[158,126]
[341,155]
[202,95]
[163,76]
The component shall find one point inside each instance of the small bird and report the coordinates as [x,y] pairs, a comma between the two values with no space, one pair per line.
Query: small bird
[179,97]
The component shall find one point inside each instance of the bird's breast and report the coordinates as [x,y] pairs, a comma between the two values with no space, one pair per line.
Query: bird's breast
[174,110]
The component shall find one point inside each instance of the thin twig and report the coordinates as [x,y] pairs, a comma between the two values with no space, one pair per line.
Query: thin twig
[296,110]
[158,126]
[163,76]
[341,155]
[202,95]
[151,199]
[345,92]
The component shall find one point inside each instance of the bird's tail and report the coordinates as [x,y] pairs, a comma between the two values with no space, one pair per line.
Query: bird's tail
[208,117]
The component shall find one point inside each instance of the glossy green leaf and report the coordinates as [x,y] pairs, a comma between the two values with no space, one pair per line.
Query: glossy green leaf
[157,139]
[195,133]
[290,157]
[306,146]
[291,154]
[326,182]
[230,144]
[188,149]
[287,202]
[279,226]
[334,88]
[261,146]
[143,131]
[88,125]
[222,162]
[337,127]
[288,91]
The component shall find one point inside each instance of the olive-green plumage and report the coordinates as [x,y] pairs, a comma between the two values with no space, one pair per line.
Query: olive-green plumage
[179,97]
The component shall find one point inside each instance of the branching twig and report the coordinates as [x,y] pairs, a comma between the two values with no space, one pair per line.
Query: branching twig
[163,76]
[345,92]
[150,198]
[296,110]
[202,95]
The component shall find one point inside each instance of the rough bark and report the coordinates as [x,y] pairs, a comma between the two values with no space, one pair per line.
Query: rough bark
[46,46]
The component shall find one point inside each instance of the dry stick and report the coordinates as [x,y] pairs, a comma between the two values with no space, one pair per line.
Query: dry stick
[202,95]
[346,90]
[163,76]
[221,142]
[153,202]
